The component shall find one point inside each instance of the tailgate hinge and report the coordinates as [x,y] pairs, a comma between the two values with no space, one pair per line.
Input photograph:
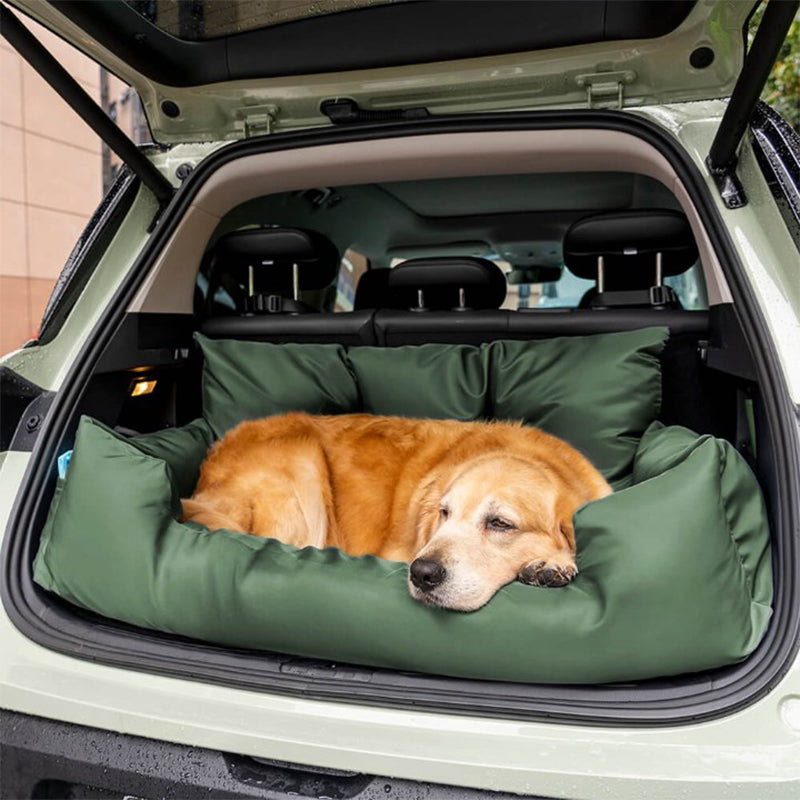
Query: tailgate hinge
[605,89]
[257,120]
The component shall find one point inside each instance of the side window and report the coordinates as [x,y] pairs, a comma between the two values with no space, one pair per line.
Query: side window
[690,288]
[353,266]
[566,292]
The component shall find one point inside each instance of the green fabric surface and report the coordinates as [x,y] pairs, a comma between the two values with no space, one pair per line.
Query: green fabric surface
[430,380]
[674,574]
[247,380]
[597,392]
[183,449]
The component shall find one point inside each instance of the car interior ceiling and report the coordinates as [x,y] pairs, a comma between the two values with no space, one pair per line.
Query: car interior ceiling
[444,240]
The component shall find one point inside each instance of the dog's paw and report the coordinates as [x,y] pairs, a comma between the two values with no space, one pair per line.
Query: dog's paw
[542,574]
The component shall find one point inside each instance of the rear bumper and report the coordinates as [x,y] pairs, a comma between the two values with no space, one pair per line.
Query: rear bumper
[46,758]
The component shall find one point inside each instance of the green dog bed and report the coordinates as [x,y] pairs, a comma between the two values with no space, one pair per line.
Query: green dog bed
[674,567]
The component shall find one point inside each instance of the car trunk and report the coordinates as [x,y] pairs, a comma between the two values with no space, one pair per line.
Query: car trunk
[140,371]
[717,379]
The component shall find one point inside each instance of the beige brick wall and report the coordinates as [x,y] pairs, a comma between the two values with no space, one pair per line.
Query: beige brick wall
[50,183]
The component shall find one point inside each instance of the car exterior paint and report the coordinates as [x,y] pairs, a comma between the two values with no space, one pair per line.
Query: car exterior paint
[648,70]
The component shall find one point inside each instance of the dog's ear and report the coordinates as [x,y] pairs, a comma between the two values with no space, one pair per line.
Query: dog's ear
[427,511]
[568,532]
[564,529]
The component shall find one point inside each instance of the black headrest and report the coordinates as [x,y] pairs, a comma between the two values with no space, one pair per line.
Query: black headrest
[372,289]
[440,280]
[628,242]
[271,252]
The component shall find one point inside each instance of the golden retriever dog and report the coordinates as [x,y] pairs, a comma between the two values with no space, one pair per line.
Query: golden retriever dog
[471,506]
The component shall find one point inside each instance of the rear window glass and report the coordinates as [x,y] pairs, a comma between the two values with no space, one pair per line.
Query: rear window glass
[518,222]
[207,19]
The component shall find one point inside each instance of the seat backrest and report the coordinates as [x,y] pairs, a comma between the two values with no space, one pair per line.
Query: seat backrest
[372,289]
[628,254]
[348,328]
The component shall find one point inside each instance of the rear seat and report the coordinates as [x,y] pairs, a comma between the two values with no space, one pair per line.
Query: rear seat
[390,321]
[628,254]
[457,301]
[685,384]
[371,289]
[268,268]
[453,283]
[277,264]
[439,284]
[447,300]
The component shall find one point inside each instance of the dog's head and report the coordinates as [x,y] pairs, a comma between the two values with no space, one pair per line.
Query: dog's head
[486,523]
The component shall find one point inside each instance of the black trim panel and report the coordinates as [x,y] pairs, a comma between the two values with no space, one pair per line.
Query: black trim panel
[23,407]
[683,700]
[44,758]
[149,340]
[380,36]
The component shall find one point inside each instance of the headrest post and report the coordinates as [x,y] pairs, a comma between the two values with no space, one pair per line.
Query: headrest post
[659,269]
[295,282]
[420,306]
[601,278]
[250,282]
[462,297]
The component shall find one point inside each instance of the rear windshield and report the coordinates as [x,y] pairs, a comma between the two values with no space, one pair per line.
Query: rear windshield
[207,19]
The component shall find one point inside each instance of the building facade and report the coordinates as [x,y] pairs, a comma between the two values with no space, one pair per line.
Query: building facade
[51,178]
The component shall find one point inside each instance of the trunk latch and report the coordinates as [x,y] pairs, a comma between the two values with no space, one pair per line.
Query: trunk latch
[346,111]
[605,89]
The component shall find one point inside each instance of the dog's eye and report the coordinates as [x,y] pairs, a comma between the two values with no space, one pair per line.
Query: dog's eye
[445,512]
[498,524]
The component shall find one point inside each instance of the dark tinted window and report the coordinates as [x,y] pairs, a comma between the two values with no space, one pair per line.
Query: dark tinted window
[207,19]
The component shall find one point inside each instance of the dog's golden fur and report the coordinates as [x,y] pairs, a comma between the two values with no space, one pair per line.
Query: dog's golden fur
[484,502]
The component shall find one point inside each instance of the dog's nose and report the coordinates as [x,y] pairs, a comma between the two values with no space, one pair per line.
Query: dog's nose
[426,575]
